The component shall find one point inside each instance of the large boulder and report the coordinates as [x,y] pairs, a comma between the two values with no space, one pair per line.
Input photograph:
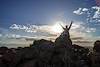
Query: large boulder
[80,56]
[43,43]
[95,55]
[96,47]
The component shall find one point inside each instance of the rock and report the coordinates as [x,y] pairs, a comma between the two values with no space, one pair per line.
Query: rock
[95,55]
[97,46]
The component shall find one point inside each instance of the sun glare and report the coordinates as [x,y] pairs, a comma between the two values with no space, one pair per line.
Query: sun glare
[56,28]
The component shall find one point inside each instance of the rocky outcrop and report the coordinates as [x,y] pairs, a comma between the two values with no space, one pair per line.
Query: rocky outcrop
[43,53]
[95,55]
[97,46]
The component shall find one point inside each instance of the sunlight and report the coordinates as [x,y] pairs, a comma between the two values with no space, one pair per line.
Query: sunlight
[56,28]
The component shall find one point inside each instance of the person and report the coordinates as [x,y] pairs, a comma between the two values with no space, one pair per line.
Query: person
[64,38]
[66,30]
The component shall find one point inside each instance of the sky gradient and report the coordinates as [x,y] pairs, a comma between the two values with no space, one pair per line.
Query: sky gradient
[33,19]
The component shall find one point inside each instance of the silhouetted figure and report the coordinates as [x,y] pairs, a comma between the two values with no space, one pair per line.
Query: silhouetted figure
[64,38]
[66,30]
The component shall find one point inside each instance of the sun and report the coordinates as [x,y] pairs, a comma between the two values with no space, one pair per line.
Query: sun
[56,28]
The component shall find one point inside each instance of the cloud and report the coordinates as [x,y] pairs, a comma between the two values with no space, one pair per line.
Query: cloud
[22,33]
[78,12]
[31,32]
[82,34]
[80,27]
[97,12]
[30,28]
[78,32]
[93,13]
[89,30]
[14,42]
[77,38]
[12,36]
[84,9]
[76,25]
[79,35]
[82,41]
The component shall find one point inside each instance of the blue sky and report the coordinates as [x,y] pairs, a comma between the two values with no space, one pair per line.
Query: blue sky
[47,12]
[38,11]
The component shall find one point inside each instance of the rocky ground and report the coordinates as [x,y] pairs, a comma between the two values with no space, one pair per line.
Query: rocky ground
[43,53]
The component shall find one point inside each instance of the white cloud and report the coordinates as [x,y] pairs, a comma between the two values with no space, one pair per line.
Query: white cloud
[27,28]
[78,12]
[42,32]
[80,27]
[98,20]
[76,25]
[84,9]
[93,13]
[31,28]
[43,29]
[15,26]
[89,30]
[97,12]
[78,30]
[12,36]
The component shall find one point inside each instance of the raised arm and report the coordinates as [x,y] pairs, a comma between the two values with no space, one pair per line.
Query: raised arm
[70,25]
[62,27]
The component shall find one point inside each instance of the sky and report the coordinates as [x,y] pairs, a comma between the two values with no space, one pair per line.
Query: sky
[24,20]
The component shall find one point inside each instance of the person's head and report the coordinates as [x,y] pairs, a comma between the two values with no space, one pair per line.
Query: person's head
[66,26]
